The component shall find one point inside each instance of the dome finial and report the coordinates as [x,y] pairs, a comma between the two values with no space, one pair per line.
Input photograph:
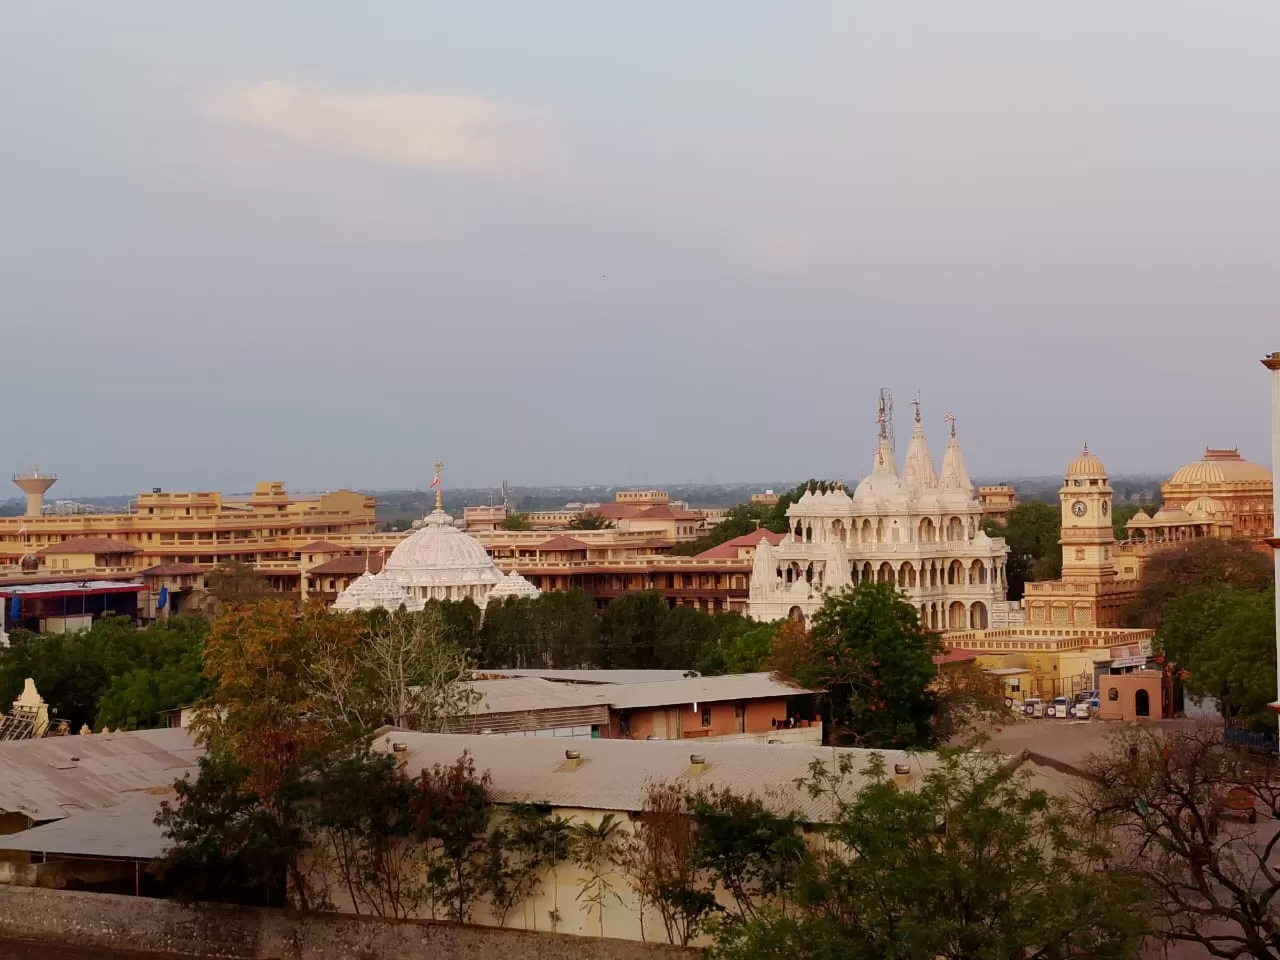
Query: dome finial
[435,485]
[951,419]
[916,403]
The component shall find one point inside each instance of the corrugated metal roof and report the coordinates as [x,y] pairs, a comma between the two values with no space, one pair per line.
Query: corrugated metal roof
[738,686]
[513,694]
[593,676]
[618,774]
[55,777]
[126,831]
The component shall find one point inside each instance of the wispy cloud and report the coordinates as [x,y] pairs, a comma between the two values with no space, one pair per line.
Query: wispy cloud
[406,129]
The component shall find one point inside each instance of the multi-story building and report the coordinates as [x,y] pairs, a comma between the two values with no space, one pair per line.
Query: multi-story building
[997,500]
[169,539]
[919,529]
[1220,495]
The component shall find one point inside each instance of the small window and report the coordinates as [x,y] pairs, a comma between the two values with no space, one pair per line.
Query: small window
[1113,694]
[706,716]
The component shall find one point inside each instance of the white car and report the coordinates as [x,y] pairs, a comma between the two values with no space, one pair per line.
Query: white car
[1033,707]
[1058,709]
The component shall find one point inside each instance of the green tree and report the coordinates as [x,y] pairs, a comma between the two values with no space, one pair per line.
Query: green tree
[236,582]
[516,521]
[1222,644]
[227,846]
[1183,568]
[868,651]
[684,638]
[556,630]
[742,646]
[590,521]
[630,627]
[359,819]
[112,674]
[1032,533]
[968,863]
[451,810]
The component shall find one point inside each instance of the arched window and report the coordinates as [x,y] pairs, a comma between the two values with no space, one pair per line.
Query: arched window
[978,616]
[928,531]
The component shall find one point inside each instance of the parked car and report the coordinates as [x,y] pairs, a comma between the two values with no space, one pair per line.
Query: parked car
[1058,708]
[1087,695]
[1033,707]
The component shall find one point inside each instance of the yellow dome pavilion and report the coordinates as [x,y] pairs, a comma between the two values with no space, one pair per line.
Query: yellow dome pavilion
[1224,491]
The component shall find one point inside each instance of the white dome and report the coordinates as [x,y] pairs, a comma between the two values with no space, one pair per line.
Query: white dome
[514,585]
[880,487]
[438,553]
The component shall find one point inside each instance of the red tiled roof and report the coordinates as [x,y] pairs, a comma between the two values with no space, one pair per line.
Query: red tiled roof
[729,549]
[615,511]
[562,543]
[173,570]
[91,545]
[954,656]
[340,566]
[664,511]
[321,546]
[653,543]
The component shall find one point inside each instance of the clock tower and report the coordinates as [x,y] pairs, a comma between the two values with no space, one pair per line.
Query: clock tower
[1088,539]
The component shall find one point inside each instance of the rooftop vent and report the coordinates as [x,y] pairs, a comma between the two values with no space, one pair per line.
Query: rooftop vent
[901,769]
[697,764]
[572,760]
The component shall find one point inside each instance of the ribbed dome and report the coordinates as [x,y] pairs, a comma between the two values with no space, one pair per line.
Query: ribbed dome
[1221,466]
[514,585]
[1204,507]
[371,590]
[438,553]
[1086,465]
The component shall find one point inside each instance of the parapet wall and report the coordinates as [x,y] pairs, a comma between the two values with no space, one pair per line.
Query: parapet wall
[161,926]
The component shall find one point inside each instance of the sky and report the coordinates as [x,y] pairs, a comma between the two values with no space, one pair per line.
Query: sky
[582,242]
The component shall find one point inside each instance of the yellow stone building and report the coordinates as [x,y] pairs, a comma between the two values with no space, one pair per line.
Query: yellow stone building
[1220,495]
[1097,583]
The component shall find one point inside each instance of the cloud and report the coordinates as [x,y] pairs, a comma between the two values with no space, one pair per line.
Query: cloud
[404,129]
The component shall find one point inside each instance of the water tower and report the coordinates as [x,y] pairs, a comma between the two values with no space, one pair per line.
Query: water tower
[34,485]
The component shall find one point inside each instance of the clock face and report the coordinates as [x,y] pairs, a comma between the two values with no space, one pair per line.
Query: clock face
[1079,508]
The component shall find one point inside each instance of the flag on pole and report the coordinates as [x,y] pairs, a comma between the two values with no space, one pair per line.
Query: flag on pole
[435,482]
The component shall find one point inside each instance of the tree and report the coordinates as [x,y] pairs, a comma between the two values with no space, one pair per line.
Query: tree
[1184,800]
[1179,569]
[629,630]
[559,629]
[451,811]
[869,653]
[742,646]
[590,520]
[1221,642]
[518,853]
[966,862]
[753,853]
[236,582]
[659,860]
[359,819]
[594,848]
[392,668]
[112,674]
[516,521]
[1032,532]
[227,845]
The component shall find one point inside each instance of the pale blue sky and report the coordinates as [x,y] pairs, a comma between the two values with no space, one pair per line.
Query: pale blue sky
[592,242]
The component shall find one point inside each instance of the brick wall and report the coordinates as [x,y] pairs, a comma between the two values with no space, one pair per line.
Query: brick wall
[161,926]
